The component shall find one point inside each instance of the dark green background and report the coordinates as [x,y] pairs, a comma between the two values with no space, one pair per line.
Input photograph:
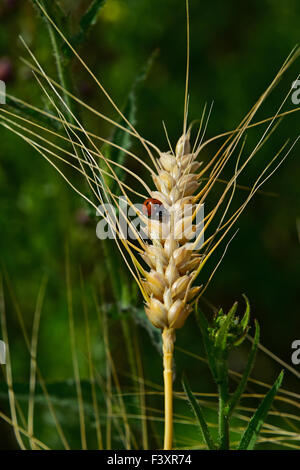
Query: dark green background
[236,49]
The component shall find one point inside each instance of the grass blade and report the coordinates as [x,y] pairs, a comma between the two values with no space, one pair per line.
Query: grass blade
[121,138]
[251,433]
[91,365]
[199,415]
[90,16]
[74,354]
[245,376]
[33,358]
[203,324]
[9,377]
[245,319]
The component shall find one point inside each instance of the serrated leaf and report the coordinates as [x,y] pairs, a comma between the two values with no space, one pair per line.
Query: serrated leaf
[120,137]
[87,21]
[223,331]
[123,140]
[245,376]
[250,435]
[54,10]
[199,414]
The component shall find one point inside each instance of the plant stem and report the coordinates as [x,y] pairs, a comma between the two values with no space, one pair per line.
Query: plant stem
[168,337]
[223,421]
[61,70]
[223,407]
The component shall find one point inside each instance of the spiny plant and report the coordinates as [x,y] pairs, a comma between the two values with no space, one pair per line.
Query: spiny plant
[167,265]
[227,332]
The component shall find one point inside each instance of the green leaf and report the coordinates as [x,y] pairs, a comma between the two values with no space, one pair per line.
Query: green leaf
[56,14]
[87,21]
[54,10]
[123,140]
[61,393]
[90,17]
[221,338]
[245,319]
[31,114]
[199,414]
[243,382]
[209,348]
[251,433]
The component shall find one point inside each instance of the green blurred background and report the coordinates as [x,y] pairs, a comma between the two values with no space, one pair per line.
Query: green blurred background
[236,50]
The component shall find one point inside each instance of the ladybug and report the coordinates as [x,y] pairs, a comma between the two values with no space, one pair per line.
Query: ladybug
[153,208]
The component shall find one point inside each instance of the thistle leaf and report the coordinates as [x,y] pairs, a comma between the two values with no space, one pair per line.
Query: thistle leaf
[31,114]
[54,10]
[88,20]
[121,138]
[199,414]
[251,433]
[223,331]
[203,325]
[243,382]
[90,16]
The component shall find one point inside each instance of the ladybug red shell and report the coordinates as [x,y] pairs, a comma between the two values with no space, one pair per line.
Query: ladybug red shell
[153,208]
